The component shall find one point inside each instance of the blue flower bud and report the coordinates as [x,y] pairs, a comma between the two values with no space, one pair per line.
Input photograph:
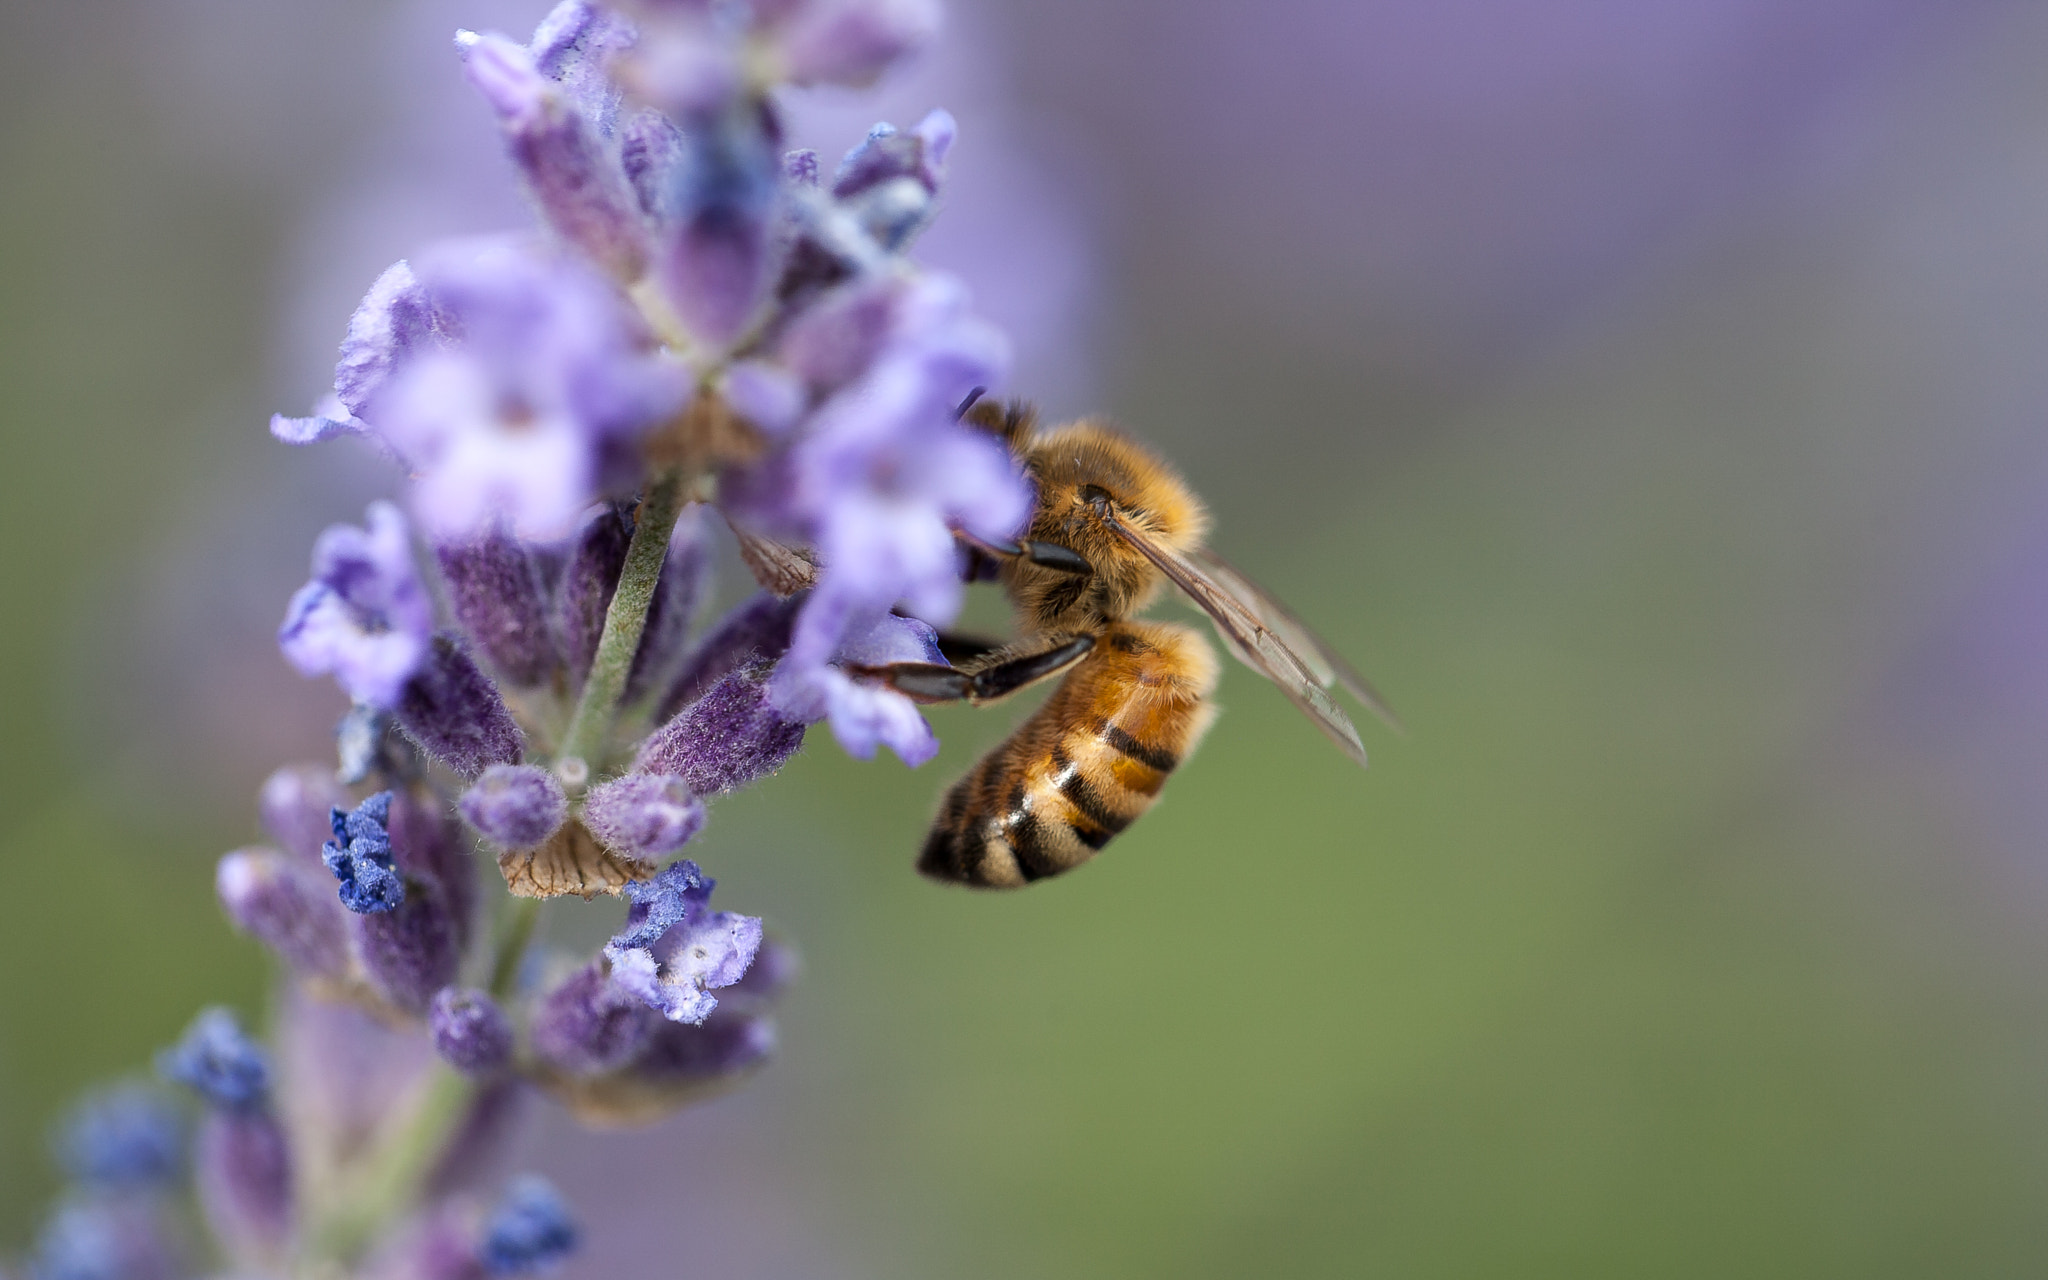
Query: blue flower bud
[287,904]
[643,816]
[515,806]
[725,740]
[471,1033]
[217,1061]
[453,711]
[243,1167]
[359,855]
[496,591]
[588,1025]
[104,1239]
[123,1137]
[530,1231]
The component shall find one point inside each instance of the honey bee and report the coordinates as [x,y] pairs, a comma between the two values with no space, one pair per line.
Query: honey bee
[1113,525]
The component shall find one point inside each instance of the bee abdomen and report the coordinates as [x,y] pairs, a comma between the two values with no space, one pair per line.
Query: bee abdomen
[1082,769]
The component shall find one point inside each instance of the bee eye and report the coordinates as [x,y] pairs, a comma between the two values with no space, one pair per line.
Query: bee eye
[1093,495]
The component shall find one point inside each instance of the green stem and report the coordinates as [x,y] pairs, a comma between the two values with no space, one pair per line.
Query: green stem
[380,1191]
[513,935]
[624,621]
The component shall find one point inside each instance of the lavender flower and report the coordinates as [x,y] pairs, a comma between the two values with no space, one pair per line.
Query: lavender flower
[704,323]
[675,949]
[535,411]
[364,617]
[359,855]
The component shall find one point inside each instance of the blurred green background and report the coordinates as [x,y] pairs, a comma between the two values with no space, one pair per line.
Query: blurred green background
[1695,928]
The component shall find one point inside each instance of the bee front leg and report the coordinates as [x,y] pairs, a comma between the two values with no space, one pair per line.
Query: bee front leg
[930,682]
[1046,555]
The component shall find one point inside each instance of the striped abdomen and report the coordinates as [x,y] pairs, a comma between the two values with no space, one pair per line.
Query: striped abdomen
[1083,767]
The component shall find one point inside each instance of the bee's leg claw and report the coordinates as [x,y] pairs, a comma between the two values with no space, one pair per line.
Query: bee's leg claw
[1046,555]
[930,682]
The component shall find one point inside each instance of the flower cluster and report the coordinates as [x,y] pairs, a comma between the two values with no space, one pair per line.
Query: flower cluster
[705,333]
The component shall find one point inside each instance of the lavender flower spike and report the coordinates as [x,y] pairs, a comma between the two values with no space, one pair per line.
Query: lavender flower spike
[675,949]
[644,816]
[365,616]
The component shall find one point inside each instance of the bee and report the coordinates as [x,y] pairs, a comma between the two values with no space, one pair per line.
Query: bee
[1112,526]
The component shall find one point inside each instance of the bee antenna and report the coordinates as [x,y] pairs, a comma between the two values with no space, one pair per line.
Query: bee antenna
[968,403]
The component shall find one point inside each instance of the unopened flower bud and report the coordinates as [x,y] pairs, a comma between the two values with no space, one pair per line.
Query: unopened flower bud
[714,268]
[359,855]
[287,904]
[588,1025]
[453,711]
[243,1166]
[121,1138]
[410,952]
[471,1033]
[643,816]
[726,739]
[757,630]
[530,1231]
[851,42]
[428,843]
[219,1063]
[578,187]
[105,1238]
[495,589]
[295,804]
[515,806]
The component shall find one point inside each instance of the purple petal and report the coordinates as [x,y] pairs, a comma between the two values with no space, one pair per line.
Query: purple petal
[365,616]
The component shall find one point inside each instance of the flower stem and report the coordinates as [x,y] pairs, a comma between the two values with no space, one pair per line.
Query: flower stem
[624,622]
[513,935]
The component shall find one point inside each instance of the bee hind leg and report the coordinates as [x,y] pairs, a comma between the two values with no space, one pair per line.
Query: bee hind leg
[930,682]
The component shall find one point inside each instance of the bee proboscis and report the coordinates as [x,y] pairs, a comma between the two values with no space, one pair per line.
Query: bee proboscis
[1113,524]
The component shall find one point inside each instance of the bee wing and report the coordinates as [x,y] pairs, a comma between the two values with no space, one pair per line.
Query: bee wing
[1328,666]
[1256,644]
